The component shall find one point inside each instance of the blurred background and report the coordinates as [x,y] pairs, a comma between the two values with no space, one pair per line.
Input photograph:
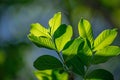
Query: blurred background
[17,53]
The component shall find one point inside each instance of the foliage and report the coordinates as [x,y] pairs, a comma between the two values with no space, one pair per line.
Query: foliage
[75,55]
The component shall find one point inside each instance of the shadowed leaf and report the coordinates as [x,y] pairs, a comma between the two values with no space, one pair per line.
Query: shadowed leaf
[47,62]
[76,65]
[85,53]
[100,74]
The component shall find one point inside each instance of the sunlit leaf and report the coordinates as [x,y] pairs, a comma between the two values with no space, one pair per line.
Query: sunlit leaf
[56,75]
[38,30]
[42,41]
[47,62]
[44,75]
[76,65]
[85,53]
[51,75]
[85,30]
[105,54]
[105,39]
[55,22]
[100,74]
[71,48]
[62,35]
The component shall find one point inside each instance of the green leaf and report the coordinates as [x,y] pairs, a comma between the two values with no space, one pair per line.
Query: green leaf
[62,35]
[76,65]
[56,75]
[55,22]
[40,36]
[51,75]
[85,53]
[105,54]
[71,48]
[42,41]
[38,30]
[47,62]
[85,30]
[104,39]
[100,74]
[43,75]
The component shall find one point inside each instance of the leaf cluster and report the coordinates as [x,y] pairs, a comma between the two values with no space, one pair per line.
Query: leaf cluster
[75,55]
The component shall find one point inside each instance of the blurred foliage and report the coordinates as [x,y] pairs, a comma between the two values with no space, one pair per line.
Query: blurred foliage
[84,8]
[11,60]
[12,2]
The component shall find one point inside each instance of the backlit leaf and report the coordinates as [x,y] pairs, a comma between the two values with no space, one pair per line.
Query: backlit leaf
[62,35]
[105,39]
[38,30]
[56,75]
[43,75]
[71,48]
[105,54]
[51,75]
[85,30]
[55,22]
[42,41]
[47,62]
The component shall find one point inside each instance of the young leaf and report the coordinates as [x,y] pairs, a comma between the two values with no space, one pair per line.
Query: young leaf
[71,48]
[55,22]
[85,30]
[47,62]
[85,53]
[100,74]
[62,35]
[38,30]
[105,54]
[42,41]
[76,65]
[40,36]
[104,39]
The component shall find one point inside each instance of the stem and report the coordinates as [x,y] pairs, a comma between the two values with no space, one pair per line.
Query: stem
[63,62]
[87,69]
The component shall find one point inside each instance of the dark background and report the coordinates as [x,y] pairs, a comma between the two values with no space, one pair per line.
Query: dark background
[17,53]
